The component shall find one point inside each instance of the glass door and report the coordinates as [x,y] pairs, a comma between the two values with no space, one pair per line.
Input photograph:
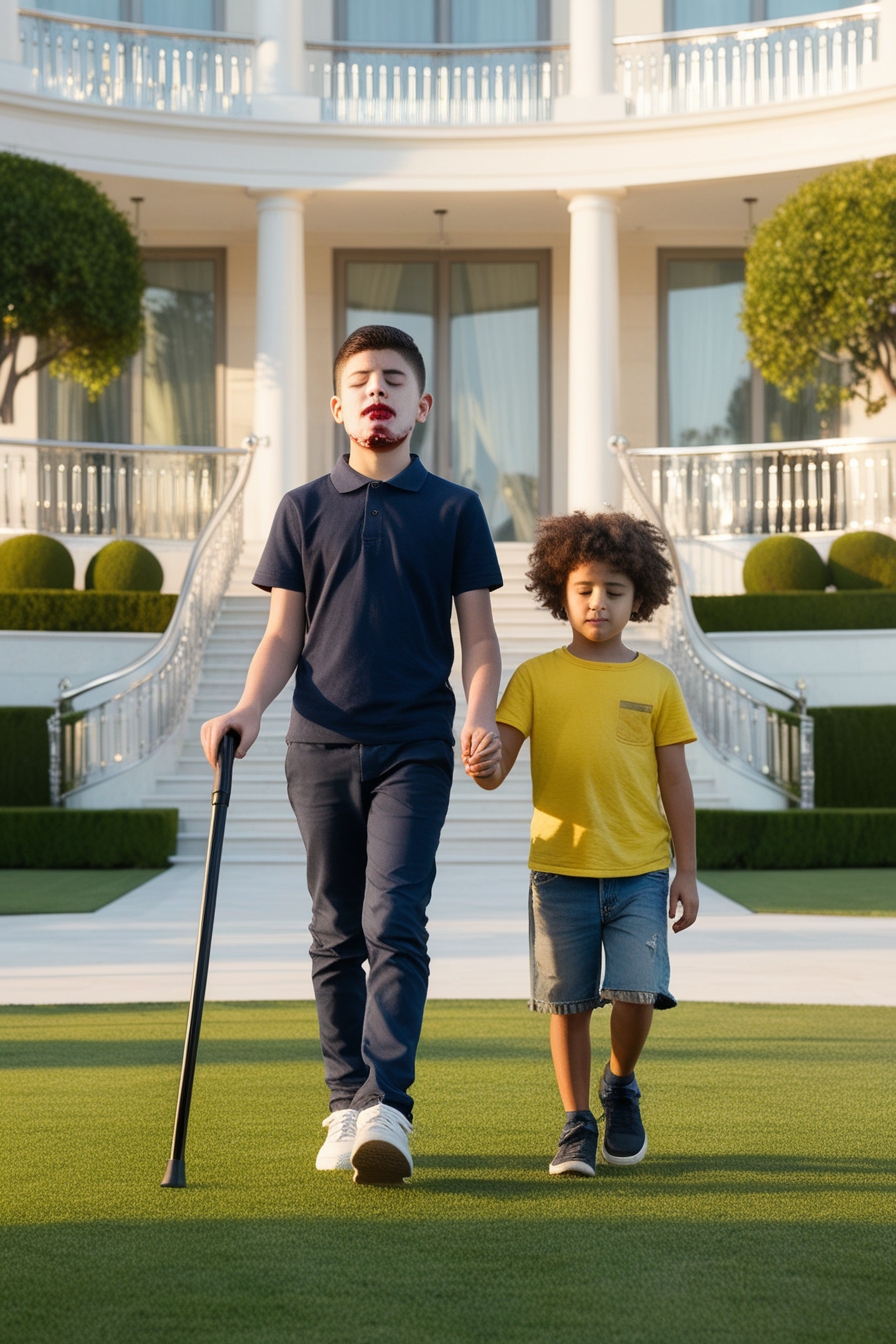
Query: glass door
[480,320]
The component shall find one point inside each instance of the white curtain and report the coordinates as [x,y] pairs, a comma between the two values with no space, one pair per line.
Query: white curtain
[495,390]
[708,372]
[65,411]
[179,353]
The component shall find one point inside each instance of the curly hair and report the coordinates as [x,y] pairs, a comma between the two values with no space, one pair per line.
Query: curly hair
[630,545]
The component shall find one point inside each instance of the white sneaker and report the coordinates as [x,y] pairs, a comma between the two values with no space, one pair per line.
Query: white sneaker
[382,1155]
[336,1153]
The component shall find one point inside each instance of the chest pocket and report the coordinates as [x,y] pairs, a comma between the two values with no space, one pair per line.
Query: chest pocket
[633,724]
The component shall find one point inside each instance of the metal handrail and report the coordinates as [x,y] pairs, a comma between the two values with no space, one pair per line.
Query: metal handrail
[755,29]
[161,658]
[829,446]
[701,652]
[138,29]
[88,446]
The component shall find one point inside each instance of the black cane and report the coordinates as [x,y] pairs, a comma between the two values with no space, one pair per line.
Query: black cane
[175,1172]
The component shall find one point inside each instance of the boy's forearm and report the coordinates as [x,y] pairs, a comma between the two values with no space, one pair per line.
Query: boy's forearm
[678,802]
[272,666]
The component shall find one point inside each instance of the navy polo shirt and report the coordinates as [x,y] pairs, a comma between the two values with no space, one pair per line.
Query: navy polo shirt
[379,563]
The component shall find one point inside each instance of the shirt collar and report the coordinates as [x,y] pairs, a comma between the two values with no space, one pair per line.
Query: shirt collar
[346,479]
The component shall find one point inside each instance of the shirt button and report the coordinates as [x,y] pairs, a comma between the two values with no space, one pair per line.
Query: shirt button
[374,485]
[374,512]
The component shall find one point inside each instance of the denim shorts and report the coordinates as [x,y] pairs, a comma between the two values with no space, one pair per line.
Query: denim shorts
[577,922]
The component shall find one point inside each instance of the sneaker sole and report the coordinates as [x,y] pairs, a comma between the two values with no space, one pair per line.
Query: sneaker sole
[571,1168]
[342,1163]
[616,1160]
[379,1162]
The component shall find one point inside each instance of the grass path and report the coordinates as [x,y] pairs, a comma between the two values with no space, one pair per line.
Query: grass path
[809,891]
[764,1210]
[66,891]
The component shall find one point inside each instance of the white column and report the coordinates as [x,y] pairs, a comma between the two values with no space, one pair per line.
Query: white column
[280,63]
[594,478]
[13,74]
[592,93]
[886,46]
[280,378]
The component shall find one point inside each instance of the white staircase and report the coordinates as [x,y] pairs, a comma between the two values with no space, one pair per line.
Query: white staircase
[261,827]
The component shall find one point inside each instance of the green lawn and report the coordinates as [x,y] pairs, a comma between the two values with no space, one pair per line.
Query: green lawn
[809,891]
[66,891]
[764,1210]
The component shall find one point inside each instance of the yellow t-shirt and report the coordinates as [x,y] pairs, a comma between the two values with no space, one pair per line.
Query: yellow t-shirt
[595,728]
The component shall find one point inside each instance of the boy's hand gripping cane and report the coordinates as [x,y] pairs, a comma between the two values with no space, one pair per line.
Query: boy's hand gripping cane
[175,1173]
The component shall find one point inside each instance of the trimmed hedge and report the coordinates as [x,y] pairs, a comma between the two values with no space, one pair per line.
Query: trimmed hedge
[867,610]
[53,837]
[864,560]
[51,609]
[35,561]
[783,563]
[25,758]
[124,567]
[855,751]
[823,838]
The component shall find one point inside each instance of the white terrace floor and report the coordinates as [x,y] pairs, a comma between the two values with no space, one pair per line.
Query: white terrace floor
[140,948]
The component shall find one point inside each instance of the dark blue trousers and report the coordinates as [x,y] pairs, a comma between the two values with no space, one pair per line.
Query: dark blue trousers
[370,818]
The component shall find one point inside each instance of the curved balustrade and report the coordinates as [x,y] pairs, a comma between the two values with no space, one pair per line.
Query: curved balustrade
[773,742]
[820,485]
[130,65]
[447,85]
[95,735]
[747,65]
[112,489]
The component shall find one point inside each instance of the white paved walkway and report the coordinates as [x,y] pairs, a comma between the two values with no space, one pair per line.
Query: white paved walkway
[140,948]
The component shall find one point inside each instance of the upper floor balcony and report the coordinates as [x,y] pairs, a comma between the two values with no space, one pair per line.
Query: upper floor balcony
[585,74]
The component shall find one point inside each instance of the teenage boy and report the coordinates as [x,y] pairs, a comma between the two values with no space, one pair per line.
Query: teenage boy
[608,729]
[362,566]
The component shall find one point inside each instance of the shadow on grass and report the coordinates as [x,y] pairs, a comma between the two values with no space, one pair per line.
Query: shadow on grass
[400,1278]
[66,1054]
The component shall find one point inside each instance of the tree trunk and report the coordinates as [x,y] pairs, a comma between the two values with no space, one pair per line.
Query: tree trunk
[6,405]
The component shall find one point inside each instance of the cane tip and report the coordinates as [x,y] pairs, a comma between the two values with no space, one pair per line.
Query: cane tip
[175,1177]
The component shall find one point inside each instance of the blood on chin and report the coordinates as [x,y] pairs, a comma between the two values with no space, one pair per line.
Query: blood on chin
[380,439]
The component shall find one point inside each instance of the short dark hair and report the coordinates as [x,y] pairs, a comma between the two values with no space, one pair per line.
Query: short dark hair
[630,545]
[380,338]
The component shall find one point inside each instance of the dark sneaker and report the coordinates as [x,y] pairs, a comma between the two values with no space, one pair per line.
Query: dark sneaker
[625,1141]
[577,1153]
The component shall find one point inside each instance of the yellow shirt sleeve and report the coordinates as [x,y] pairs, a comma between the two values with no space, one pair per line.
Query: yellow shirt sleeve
[517,702]
[673,723]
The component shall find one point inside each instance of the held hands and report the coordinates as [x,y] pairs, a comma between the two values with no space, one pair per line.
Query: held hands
[683,891]
[246,722]
[480,751]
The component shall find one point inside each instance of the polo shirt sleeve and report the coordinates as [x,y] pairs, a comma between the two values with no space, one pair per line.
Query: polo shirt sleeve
[517,702]
[280,565]
[475,559]
[673,723]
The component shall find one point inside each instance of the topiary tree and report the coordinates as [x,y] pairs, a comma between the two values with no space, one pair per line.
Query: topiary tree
[35,561]
[821,287]
[864,560]
[784,564]
[124,567]
[70,275]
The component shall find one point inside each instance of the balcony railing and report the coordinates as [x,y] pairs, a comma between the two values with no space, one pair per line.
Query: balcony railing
[110,724]
[705,69]
[437,85]
[822,485]
[130,65]
[112,489]
[751,721]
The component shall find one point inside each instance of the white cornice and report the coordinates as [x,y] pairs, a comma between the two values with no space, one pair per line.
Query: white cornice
[547,156]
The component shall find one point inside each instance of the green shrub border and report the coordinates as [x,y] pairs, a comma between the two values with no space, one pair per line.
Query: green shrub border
[25,758]
[60,610]
[823,837]
[55,837]
[853,610]
[855,750]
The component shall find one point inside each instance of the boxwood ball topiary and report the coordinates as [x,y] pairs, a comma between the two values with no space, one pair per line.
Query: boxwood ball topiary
[35,561]
[124,567]
[784,564]
[864,560]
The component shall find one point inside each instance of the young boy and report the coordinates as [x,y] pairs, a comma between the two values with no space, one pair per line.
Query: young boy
[606,726]
[362,566]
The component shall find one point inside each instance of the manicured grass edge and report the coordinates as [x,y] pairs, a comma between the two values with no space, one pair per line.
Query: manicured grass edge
[52,837]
